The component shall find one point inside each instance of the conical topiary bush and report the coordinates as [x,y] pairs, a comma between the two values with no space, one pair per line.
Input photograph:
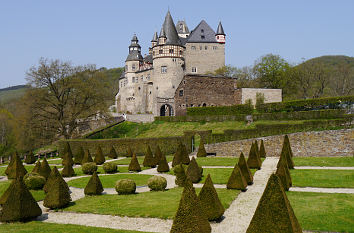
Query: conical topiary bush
[53,178]
[10,163]
[201,150]
[180,174]
[262,152]
[177,158]
[253,160]
[246,172]
[210,202]
[163,165]
[94,186]
[67,159]
[68,170]
[134,164]
[285,153]
[45,169]
[158,154]
[17,169]
[149,160]
[237,180]
[37,167]
[194,172]
[274,213]
[257,148]
[99,158]
[67,149]
[185,155]
[87,157]
[281,173]
[30,159]
[129,152]
[286,139]
[79,155]
[57,196]
[19,204]
[282,162]
[189,216]
[112,153]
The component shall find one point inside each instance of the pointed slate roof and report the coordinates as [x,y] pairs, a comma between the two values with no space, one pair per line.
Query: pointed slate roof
[220,30]
[203,33]
[155,37]
[170,30]
[162,32]
[181,27]
[134,55]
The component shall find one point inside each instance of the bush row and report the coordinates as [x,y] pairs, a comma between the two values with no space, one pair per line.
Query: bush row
[308,104]
[221,110]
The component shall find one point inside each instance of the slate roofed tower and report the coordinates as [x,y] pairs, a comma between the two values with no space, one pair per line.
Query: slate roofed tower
[182,29]
[134,50]
[220,34]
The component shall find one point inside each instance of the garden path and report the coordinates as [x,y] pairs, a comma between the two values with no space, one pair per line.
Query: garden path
[322,190]
[324,168]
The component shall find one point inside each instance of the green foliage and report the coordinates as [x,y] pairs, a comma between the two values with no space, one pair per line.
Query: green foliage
[30,159]
[180,174]
[129,152]
[259,100]
[87,158]
[67,150]
[89,168]
[112,153]
[57,196]
[262,152]
[220,110]
[181,155]
[67,159]
[79,155]
[286,153]
[284,174]
[110,167]
[274,212]
[237,180]
[18,204]
[254,161]
[158,154]
[163,164]
[157,183]
[37,167]
[194,172]
[16,170]
[68,171]
[125,186]
[134,164]
[242,164]
[94,186]
[34,181]
[44,169]
[99,158]
[149,160]
[201,150]
[189,216]
[54,178]
[210,202]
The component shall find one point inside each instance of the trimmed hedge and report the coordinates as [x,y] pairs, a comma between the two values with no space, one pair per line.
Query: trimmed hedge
[125,186]
[89,168]
[157,183]
[221,110]
[110,167]
[34,181]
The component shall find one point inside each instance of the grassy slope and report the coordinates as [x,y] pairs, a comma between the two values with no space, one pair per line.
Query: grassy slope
[149,204]
[323,211]
[37,194]
[109,181]
[323,178]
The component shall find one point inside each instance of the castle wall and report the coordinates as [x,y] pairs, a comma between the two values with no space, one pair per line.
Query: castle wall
[206,57]
[270,95]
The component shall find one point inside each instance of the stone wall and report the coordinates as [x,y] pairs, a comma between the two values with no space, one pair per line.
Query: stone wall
[270,95]
[319,143]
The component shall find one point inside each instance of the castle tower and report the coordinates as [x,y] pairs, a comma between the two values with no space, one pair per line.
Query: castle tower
[220,35]
[182,29]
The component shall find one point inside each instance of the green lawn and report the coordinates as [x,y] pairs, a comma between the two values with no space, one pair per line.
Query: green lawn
[324,161]
[217,161]
[55,161]
[126,161]
[323,211]
[41,227]
[323,178]
[219,175]
[37,194]
[109,181]
[150,204]
[28,168]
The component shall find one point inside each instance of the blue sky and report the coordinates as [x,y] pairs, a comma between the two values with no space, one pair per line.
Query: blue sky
[99,32]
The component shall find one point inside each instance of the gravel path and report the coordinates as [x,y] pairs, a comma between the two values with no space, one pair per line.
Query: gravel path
[218,166]
[239,215]
[325,168]
[322,190]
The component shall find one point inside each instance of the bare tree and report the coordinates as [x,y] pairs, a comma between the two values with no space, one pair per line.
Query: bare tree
[342,82]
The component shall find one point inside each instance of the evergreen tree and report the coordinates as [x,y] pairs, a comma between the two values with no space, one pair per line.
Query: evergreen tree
[17,169]
[201,150]
[210,202]
[149,160]
[163,165]
[112,153]
[189,216]
[99,158]
[262,151]
[45,169]
[158,154]
[194,172]
[57,196]
[134,164]
[94,186]
[37,167]
[87,157]
[237,180]
[54,177]
[67,159]
[129,152]
[18,204]
[180,174]
[79,155]
[68,170]
[254,160]
[274,213]
[246,172]
[30,159]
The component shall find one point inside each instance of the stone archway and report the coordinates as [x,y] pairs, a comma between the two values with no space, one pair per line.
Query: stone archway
[166,110]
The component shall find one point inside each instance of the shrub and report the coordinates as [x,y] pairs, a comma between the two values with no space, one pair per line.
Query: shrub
[157,183]
[281,173]
[37,167]
[45,169]
[129,152]
[149,160]
[16,169]
[79,155]
[94,186]
[57,196]
[99,158]
[236,180]
[220,110]
[181,155]
[210,202]
[134,164]
[163,164]
[18,203]
[87,158]
[125,186]
[274,212]
[34,181]
[53,178]
[194,172]
[30,159]
[110,167]
[158,154]
[180,174]
[201,150]
[68,171]
[286,153]
[89,168]
[262,152]
[245,169]
[253,160]
[259,100]
[112,153]
[189,216]
[67,159]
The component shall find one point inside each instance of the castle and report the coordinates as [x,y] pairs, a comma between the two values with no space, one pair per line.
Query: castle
[148,84]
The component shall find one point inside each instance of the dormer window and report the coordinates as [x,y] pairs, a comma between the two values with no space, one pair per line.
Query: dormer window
[202,30]
[203,37]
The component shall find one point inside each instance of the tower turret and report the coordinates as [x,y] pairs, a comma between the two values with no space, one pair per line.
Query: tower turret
[134,59]
[220,34]
[162,36]
[154,40]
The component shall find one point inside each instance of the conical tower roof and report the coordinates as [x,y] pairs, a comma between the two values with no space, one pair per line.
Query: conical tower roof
[134,50]
[220,30]
[170,31]
[155,37]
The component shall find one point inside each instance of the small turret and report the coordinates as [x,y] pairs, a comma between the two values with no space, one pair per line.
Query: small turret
[134,50]
[162,37]
[154,40]
[220,34]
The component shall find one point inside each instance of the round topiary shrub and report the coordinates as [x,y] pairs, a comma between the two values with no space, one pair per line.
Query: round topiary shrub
[89,168]
[125,186]
[34,181]
[110,167]
[157,183]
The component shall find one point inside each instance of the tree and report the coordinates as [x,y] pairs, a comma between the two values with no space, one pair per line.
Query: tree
[342,82]
[7,132]
[64,95]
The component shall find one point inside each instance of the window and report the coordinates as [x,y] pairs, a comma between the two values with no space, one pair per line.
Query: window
[203,37]
[170,51]
[148,77]
[142,78]
[139,88]
[202,30]
[217,37]
[200,47]
[206,47]
[194,69]
[137,79]
[160,51]
[181,52]
[163,69]
[204,105]
[150,92]
[193,47]
[133,67]
[180,92]
[215,48]
[153,53]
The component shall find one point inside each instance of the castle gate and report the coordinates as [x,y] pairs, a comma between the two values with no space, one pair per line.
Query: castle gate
[166,110]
